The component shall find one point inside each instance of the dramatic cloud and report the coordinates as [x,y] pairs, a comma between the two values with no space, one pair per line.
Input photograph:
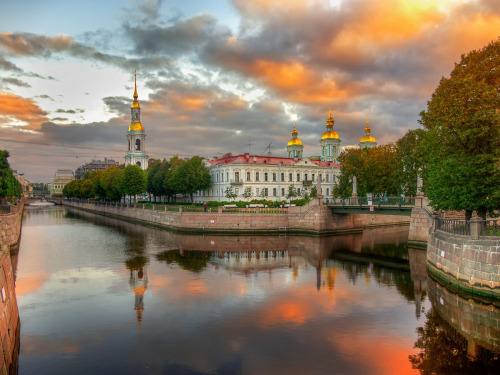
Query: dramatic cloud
[20,111]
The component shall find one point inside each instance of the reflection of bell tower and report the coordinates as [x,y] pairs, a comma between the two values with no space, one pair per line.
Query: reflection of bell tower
[139,284]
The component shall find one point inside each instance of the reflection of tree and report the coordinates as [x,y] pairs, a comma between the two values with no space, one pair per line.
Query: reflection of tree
[444,351]
[136,262]
[384,271]
[190,260]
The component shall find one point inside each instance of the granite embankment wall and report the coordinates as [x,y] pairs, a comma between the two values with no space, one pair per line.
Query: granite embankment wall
[10,226]
[420,222]
[311,218]
[470,264]
[9,315]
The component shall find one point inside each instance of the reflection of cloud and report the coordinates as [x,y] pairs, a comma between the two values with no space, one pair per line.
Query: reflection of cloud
[34,345]
[30,283]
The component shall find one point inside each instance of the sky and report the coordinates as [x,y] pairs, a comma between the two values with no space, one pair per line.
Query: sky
[221,76]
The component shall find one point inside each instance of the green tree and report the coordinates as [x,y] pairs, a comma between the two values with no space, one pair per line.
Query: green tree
[111,183]
[314,192]
[410,160]
[133,180]
[9,186]
[247,193]
[462,141]
[229,193]
[292,192]
[190,177]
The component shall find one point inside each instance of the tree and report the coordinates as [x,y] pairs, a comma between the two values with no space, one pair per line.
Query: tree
[409,160]
[133,180]
[462,141]
[247,193]
[9,186]
[292,192]
[229,193]
[314,192]
[190,177]
[111,183]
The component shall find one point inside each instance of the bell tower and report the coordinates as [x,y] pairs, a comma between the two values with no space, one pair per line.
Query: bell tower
[136,135]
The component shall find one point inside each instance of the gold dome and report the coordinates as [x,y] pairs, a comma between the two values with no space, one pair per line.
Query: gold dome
[135,104]
[294,142]
[367,138]
[135,127]
[330,134]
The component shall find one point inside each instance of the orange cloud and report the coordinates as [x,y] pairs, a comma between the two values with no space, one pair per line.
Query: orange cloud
[30,283]
[16,108]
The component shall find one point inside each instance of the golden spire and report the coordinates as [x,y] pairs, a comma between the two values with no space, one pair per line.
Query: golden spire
[135,85]
[330,115]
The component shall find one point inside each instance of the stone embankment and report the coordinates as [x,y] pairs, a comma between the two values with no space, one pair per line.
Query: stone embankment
[10,225]
[469,261]
[314,218]
[10,231]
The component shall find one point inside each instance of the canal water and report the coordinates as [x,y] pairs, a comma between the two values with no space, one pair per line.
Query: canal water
[102,296]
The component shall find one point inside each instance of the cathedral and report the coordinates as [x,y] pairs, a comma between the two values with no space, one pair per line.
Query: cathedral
[255,176]
[136,135]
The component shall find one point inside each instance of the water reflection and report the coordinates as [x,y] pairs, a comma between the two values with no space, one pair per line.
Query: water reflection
[460,336]
[348,304]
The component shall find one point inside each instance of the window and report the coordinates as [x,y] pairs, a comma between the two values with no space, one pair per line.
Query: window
[283,177]
[236,176]
[312,177]
[129,144]
[327,191]
[237,191]
[265,176]
[283,192]
[274,176]
[274,192]
[227,176]
[327,178]
[320,177]
[257,191]
[138,163]
[222,177]
[266,192]
[298,177]
[248,176]
[138,145]
[290,177]
[256,176]
[305,176]
[298,191]
[217,177]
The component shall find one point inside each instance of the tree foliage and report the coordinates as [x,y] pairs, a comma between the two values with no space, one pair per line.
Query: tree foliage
[190,176]
[9,186]
[462,142]
[133,180]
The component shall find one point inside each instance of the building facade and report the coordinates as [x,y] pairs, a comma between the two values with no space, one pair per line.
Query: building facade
[136,136]
[94,165]
[62,177]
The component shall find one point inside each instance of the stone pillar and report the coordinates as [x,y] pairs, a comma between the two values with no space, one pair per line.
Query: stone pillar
[354,199]
[475,226]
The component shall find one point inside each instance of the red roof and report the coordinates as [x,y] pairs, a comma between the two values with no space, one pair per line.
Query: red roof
[273,160]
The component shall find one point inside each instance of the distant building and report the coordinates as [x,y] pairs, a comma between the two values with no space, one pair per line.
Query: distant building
[25,184]
[136,136]
[62,177]
[94,165]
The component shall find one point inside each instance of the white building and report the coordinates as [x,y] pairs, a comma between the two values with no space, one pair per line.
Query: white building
[269,177]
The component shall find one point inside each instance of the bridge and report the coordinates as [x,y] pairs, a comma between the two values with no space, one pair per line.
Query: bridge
[375,205]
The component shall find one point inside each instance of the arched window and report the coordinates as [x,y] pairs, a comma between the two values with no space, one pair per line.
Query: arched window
[129,144]
[138,145]
[138,163]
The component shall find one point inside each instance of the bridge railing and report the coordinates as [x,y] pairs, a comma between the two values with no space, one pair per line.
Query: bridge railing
[375,201]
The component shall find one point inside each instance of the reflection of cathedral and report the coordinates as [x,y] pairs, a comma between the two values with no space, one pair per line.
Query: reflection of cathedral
[139,284]
[252,261]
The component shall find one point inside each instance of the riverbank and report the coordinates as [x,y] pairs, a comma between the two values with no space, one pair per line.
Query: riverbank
[312,218]
[10,226]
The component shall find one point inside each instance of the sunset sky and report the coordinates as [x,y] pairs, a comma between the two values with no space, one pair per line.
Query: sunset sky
[221,75]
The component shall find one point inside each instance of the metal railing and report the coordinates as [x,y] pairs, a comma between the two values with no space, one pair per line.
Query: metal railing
[375,201]
[461,227]
[492,227]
